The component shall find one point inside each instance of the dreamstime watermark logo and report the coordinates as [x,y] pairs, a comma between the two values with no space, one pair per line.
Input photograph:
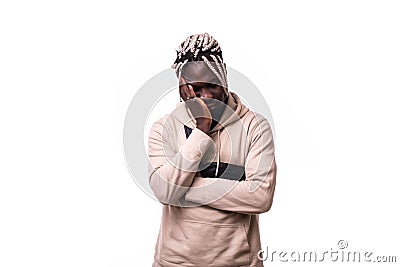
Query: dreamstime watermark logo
[169,152]
[340,254]
[342,244]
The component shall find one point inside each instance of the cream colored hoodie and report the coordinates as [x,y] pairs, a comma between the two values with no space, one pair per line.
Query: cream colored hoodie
[212,186]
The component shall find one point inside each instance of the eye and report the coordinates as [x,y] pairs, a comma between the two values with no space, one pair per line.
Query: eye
[196,89]
[212,85]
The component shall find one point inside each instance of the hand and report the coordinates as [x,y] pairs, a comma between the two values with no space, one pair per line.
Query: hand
[196,106]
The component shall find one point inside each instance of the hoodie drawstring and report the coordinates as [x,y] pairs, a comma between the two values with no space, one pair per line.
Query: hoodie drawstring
[218,147]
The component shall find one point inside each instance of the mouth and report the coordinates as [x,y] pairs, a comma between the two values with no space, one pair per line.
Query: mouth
[211,106]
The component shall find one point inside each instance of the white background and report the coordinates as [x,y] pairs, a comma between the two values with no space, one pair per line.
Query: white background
[329,71]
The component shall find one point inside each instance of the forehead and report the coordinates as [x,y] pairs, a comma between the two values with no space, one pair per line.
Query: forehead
[198,71]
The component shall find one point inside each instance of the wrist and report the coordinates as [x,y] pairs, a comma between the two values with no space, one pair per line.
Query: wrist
[204,128]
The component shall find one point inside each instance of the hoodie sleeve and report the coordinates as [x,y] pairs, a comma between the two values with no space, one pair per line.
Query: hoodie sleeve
[251,196]
[170,172]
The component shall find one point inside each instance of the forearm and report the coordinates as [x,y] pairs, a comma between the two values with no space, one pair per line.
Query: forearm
[170,176]
[251,196]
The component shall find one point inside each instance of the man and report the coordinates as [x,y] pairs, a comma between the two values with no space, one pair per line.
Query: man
[211,165]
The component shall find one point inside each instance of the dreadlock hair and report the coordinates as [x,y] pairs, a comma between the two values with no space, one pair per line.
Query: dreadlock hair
[201,47]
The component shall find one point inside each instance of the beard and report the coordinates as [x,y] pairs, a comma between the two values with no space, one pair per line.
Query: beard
[216,107]
[216,111]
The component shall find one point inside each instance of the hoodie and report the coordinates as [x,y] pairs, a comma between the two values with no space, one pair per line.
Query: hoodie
[212,186]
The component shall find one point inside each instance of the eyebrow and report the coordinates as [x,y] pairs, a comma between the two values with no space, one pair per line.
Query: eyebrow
[187,78]
[212,82]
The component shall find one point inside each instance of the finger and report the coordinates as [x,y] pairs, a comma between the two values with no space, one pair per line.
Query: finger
[188,89]
[191,91]
[182,92]
[183,89]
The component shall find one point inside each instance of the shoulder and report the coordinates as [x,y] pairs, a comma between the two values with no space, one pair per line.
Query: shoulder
[256,123]
[159,124]
[162,120]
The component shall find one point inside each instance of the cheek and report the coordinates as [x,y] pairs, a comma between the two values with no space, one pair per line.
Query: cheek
[220,94]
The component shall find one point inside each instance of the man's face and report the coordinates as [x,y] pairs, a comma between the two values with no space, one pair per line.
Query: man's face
[205,85]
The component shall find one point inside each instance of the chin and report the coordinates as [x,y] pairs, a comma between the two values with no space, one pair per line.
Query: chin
[213,108]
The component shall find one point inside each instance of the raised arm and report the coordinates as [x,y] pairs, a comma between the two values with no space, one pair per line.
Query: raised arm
[253,195]
[171,172]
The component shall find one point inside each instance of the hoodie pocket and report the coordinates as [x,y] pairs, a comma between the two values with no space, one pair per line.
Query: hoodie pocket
[193,243]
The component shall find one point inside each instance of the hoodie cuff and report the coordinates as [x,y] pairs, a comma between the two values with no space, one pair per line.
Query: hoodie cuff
[196,145]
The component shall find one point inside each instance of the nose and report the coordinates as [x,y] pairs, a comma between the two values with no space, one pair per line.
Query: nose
[205,93]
